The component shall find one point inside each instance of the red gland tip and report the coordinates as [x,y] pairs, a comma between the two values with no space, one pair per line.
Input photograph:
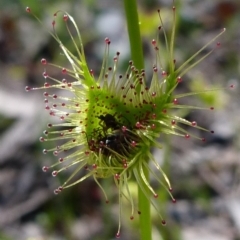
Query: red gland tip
[155,195]
[117,176]
[45,75]
[138,124]
[46,85]
[132,217]
[175,101]
[27,88]
[125,165]
[124,128]
[107,40]
[45,151]
[56,13]
[154,94]
[164,73]
[28,9]
[164,110]
[65,17]
[174,200]
[45,168]
[194,123]
[164,222]
[179,79]
[55,153]
[56,191]
[54,173]
[43,61]
[41,139]
[154,115]
[45,132]
[154,42]
[118,235]
[153,126]
[64,71]
[133,144]
[187,136]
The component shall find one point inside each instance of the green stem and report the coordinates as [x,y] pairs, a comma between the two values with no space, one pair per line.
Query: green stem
[137,57]
[134,33]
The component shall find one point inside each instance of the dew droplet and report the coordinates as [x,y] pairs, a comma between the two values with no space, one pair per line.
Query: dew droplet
[41,139]
[194,123]
[154,42]
[56,191]
[117,235]
[133,144]
[45,168]
[65,17]
[46,85]
[27,88]
[117,176]
[175,101]
[45,151]
[64,71]
[43,61]
[187,136]
[28,9]
[138,124]
[45,75]
[179,79]
[54,173]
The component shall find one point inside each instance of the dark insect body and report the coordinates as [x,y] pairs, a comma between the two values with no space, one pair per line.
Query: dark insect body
[109,122]
[113,138]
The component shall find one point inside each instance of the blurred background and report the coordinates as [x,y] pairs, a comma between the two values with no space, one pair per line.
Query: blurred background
[205,177]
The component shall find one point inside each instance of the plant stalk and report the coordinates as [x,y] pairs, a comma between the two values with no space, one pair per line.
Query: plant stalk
[137,57]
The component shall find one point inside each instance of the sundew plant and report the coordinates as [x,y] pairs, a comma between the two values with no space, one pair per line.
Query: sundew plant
[110,123]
